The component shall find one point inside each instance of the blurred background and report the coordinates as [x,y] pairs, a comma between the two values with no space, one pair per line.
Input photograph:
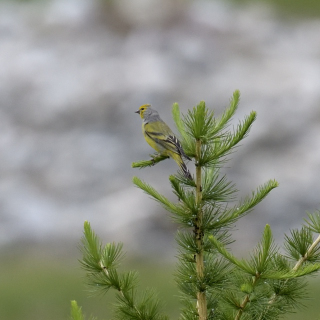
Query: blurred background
[72,74]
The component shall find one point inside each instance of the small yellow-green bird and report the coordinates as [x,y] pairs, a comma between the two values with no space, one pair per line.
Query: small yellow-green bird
[161,138]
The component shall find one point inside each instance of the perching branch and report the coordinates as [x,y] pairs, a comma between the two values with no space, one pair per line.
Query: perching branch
[149,163]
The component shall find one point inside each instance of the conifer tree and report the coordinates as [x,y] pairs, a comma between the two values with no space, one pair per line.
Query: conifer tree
[214,283]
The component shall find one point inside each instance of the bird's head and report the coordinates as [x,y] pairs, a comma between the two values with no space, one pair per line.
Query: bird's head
[144,111]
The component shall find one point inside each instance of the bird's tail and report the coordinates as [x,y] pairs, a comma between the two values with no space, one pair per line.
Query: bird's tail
[178,159]
[185,170]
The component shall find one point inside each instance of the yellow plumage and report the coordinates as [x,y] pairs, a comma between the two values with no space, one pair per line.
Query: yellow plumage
[160,137]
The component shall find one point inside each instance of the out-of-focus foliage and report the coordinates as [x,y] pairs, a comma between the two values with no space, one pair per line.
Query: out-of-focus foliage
[290,8]
[42,287]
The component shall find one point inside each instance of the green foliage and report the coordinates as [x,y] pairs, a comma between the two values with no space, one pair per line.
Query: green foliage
[314,222]
[213,282]
[216,188]
[76,312]
[101,264]
[298,243]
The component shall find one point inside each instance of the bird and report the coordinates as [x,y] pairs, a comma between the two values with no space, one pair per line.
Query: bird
[161,138]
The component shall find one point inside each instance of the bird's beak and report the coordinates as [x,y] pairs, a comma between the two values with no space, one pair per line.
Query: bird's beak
[138,111]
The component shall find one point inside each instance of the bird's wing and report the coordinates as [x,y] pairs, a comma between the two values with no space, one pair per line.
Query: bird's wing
[162,134]
[174,140]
